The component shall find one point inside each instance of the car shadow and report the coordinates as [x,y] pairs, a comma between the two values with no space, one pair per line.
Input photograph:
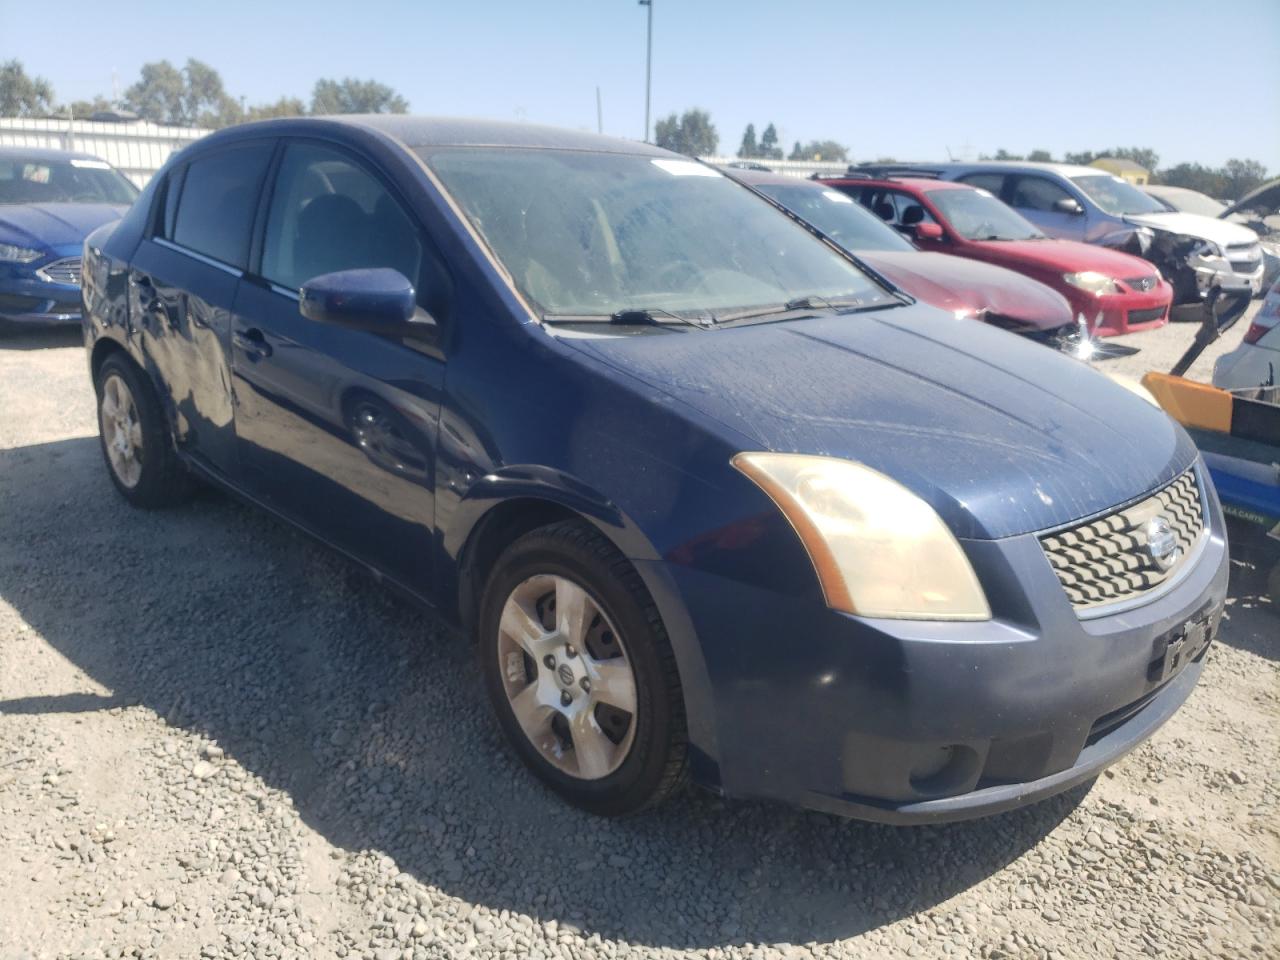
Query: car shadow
[40,338]
[370,715]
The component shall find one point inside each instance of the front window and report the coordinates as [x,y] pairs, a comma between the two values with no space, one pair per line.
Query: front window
[977,215]
[837,215]
[74,180]
[1115,196]
[592,234]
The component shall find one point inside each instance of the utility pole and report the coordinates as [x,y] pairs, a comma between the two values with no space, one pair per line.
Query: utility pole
[599,113]
[648,67]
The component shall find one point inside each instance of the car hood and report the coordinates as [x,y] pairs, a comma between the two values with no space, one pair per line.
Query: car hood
[998,434]
[954,283]
[55,224]
[1067,256]
[1193,225]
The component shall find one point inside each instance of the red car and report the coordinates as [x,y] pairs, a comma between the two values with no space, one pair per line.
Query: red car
[1115,292]
[968,290]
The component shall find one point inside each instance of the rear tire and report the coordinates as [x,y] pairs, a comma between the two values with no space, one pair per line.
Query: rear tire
[581,673]
[135,438]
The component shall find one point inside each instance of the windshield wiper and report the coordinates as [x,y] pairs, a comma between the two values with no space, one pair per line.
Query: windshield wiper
[652,316]
[809,302]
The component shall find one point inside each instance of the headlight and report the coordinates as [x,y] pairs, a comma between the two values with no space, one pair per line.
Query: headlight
[14,254]
[1090,281]
[878,549]
[1199,247]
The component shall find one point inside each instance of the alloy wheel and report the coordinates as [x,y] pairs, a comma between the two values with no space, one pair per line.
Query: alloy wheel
[567,676]
[121,430]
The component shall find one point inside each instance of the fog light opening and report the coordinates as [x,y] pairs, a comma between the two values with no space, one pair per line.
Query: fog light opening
[944,769]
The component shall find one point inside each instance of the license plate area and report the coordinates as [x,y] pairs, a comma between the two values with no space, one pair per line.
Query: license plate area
[1180,647]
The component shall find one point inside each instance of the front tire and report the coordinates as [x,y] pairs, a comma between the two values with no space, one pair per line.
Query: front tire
[580,672]
[136,443]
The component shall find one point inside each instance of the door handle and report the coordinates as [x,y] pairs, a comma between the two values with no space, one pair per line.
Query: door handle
[252,342]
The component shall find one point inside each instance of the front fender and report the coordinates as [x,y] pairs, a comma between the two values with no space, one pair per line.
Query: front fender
[546,485]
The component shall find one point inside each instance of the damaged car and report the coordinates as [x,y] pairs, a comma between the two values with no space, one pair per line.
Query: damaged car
[713,502]
[966,288]
[1259,210]
[1193,253]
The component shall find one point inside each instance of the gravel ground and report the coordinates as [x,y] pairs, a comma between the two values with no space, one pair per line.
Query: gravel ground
[219,740]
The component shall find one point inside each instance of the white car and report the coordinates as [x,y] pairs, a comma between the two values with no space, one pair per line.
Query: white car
[1256,362]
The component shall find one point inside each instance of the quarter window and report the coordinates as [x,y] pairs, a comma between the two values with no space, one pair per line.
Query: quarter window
[329,214]
[218,201]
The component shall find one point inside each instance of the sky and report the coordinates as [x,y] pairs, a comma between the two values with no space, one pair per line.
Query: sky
[1196,81]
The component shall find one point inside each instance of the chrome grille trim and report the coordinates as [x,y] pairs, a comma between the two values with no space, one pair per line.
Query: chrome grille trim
[1103,564]
[66,270]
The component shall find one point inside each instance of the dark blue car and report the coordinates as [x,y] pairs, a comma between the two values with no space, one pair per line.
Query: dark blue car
[50,200]
[714,503]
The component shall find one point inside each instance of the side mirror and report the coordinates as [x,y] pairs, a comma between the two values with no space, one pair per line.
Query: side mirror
[378,300]
[1068,205]
[928,231]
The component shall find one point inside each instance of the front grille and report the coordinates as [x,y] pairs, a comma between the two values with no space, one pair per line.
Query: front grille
[62,271]
[1146,316]
[1141,284]
[1245,266]
[1107,560]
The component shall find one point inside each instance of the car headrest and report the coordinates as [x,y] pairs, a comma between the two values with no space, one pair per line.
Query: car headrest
[884,210]
[912,215]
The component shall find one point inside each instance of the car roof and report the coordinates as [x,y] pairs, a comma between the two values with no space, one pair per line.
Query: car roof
[43,153]
[415,131]
[920,184]
[1009,166]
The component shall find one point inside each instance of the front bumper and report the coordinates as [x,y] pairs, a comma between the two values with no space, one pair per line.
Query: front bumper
[915,722]
[1130,312]
[29,296]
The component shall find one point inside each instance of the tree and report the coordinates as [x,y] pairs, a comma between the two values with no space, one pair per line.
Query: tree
[350,95]
[192,96]
[1040,156]
[22,95]
[1240,177]
[1142,156]
[769,148]
[284,107]
[1194,176]
[82,109]
[692,133]
[749,147]
[819,150]
[159,94]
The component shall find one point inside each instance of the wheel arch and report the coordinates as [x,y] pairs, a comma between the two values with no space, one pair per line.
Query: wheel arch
[501,508]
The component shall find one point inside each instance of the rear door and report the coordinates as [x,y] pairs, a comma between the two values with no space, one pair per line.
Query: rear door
[336,427]
[1037,198]
[182,284]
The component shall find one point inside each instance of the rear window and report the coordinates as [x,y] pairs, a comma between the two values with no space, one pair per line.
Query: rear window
[219,197]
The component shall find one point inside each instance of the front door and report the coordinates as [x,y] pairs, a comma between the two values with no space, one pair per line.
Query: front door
[1044,203]
[336,427]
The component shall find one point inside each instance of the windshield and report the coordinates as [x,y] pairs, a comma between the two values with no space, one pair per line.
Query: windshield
[837,215]
[595,233]
[37,180]
[977,215]
[1115,196]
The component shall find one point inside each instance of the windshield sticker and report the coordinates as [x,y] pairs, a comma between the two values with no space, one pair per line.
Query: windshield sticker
[835,196]
[685,168]
[91,164]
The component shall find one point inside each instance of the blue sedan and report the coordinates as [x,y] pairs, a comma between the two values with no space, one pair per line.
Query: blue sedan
[715,504]
[50,200]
